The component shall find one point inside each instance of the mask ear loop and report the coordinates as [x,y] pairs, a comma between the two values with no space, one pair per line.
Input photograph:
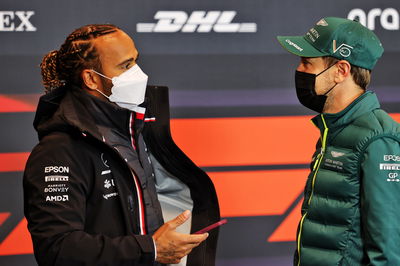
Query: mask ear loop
[330,89]
[323,72]
[101,74]
[102,93]
[316,75]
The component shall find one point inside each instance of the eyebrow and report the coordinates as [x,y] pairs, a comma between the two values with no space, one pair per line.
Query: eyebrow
[128,60]
[305,60]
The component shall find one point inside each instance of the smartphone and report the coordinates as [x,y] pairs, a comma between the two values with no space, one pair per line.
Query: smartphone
[212,226]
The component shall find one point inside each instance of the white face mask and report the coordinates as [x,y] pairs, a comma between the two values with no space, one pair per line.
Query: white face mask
[128,89]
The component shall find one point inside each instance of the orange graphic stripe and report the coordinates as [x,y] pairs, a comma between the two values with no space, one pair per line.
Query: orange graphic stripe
[3,217]
[231,141]
[246,141]
[18,103]
[286,231]
[18,241]
[257,193]
[13,162]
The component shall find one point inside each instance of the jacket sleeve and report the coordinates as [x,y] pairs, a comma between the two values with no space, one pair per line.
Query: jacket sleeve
[57,180]
[380,198]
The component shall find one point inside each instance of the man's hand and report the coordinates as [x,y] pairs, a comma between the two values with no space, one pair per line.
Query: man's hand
[173,246]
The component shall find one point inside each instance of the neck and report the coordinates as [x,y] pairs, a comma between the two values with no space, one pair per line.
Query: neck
[341,97]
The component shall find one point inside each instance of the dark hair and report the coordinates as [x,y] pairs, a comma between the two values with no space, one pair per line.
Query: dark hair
[361,76]
[64,66]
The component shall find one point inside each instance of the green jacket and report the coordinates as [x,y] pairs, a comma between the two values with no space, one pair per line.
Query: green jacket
[351,208]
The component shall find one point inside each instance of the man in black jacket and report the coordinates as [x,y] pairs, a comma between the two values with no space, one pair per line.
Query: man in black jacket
[89,189]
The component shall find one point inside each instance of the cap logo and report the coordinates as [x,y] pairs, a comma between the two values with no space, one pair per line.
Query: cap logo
[344,49]
[294,45]
[322,22]
[313,34]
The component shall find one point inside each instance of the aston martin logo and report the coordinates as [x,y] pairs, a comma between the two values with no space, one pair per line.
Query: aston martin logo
[336,154]
[344,49]
[322,22]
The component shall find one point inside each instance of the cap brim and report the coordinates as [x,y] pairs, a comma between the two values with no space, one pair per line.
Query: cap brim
[299,46]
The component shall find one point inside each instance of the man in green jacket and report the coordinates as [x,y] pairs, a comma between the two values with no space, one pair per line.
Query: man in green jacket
[351,212]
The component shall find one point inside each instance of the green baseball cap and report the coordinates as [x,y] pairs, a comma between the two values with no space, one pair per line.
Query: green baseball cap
[341,38]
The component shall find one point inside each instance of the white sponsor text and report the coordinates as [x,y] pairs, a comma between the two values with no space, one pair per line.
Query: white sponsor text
[197,21]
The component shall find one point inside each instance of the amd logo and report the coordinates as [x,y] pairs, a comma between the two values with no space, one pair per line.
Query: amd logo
[8,20]
[388,18]
[200,21]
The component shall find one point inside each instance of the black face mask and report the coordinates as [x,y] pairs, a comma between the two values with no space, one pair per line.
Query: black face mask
[305,89]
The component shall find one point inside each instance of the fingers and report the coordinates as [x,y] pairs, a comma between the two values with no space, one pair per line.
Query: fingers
[192,246]
[171,245]
[172,248]
[185,239]
[186,249]
[180,219]
[196,238]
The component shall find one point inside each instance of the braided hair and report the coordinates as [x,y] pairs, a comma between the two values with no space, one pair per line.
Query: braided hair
[63,66]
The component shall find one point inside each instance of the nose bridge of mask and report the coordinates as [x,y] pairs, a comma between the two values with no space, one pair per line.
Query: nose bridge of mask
[134,73]
[129,87]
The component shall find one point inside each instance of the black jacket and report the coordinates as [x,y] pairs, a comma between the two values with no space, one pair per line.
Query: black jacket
[80,198]
[205,202]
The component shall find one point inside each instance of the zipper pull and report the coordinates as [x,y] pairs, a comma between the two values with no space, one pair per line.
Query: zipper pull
[316,161]
[320,154]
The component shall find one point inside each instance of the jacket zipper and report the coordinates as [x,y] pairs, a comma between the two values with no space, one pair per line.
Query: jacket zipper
[316,167]
[131,204]
[139,190]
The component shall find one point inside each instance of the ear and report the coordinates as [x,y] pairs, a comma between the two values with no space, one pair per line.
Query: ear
[343,71]
[90,79]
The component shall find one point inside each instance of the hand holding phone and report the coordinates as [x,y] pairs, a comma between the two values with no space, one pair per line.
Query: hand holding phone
[212,226]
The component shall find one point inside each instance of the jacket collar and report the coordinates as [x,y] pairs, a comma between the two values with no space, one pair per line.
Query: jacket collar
[363,104]
[101,112]
[69,107]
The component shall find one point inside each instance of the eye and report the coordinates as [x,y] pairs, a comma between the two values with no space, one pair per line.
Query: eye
[305,62]
[128,65]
